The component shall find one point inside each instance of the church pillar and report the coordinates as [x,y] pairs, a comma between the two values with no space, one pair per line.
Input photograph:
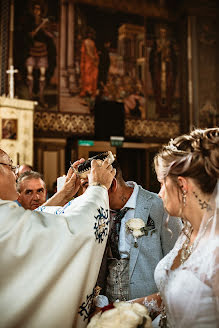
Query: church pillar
[146,64]
[192,73]
[4,27]
[70,48]
[63,46]
[68,85]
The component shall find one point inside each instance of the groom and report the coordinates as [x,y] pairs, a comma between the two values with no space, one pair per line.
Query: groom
[128,273]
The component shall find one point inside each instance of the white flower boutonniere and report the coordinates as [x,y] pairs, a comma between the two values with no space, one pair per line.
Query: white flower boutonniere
[138,228]
[123,315]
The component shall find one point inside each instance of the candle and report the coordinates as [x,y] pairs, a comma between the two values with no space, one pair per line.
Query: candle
[60,182]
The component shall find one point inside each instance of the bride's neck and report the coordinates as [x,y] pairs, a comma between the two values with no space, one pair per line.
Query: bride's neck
[197,208]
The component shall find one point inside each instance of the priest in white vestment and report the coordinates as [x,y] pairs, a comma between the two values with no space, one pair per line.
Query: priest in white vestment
[49,264]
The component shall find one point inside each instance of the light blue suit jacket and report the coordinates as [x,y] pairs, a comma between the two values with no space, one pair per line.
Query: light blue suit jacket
[151,248]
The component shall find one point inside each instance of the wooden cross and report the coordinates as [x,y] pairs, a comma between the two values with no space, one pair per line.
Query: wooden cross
[11,73]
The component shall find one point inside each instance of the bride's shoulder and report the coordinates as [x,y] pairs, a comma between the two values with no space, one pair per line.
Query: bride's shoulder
[212,244]
[208,253]
[209,247]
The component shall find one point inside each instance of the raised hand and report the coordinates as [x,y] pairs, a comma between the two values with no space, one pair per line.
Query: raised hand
[102,173]
[69,189]
[72,183]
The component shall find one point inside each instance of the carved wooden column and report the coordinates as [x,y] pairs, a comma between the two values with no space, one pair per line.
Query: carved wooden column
[63,45]
[192,73]
[4,33]
[67,71]
[69,100]
[185,85]
[146,65]
[70,48]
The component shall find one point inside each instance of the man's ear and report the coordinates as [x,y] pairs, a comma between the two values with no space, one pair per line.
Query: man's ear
[113,186]
[18,199]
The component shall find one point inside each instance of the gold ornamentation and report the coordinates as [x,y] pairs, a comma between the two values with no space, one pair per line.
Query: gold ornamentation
[149,128]
[77,124]
[97,290]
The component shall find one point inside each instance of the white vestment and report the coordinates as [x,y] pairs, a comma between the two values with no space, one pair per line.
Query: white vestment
[49,264]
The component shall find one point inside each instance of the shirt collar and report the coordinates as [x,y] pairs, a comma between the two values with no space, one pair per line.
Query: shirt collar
[133,198]
[131,203]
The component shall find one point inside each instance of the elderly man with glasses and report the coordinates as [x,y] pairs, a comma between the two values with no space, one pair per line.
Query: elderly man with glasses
[49,264]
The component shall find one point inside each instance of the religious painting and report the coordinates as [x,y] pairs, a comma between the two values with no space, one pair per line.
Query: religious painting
[36,51]
[207,50]
[104,52]
[9,129]
[128,59]
[163,71]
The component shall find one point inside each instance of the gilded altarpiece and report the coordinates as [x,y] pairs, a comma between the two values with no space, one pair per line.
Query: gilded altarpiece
[116,56]
[71,54]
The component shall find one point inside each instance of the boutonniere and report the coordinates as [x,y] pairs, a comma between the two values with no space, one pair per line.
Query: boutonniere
[121,314]
[137,227]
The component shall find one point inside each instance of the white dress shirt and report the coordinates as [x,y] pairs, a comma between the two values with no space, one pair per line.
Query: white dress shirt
[125,238]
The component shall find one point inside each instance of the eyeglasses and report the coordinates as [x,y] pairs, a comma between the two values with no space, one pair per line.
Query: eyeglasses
[12,167]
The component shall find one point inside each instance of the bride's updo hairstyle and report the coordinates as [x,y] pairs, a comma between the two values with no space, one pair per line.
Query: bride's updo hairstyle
[194,155]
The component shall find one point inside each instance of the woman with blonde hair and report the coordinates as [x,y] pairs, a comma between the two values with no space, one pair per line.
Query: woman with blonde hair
[188,277]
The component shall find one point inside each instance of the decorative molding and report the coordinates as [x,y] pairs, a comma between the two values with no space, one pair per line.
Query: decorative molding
[137,7]
[66,124]
[17,103]
[151,129]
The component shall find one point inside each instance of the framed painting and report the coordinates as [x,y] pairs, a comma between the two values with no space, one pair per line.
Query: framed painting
[9,129]
[162,74]
[36,50]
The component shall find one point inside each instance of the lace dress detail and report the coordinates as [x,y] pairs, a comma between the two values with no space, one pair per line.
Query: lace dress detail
[176,286]
[152,306]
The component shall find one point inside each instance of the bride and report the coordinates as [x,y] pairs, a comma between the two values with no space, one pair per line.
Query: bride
[188,277]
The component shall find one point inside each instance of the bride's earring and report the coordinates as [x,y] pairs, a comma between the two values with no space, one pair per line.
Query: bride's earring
[184,198]
[182,201]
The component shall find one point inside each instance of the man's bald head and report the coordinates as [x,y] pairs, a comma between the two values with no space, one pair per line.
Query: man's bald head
[3,154]
[24,168]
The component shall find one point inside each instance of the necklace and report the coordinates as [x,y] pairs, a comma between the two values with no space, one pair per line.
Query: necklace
[187,249]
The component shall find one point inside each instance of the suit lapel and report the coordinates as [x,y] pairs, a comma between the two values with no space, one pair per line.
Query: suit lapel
[142,210]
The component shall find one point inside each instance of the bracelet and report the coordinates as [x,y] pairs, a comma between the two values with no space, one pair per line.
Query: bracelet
[98,185]
[152,305]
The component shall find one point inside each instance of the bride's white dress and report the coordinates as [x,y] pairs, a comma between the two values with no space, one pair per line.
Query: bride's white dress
[188,293]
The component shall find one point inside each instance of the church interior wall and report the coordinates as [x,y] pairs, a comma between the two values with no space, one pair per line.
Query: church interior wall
[143,61]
